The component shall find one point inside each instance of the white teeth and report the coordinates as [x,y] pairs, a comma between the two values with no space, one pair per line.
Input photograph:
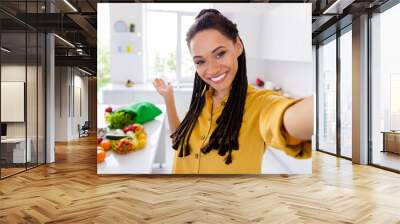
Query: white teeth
[216,79]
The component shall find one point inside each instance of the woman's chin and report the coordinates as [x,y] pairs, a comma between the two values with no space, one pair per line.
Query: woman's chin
[221,84]
[219,87]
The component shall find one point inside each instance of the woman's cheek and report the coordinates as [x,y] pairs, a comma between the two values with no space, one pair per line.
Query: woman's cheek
[228,62]
[202,76]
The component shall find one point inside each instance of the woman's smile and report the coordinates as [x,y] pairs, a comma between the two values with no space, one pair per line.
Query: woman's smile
[219,78]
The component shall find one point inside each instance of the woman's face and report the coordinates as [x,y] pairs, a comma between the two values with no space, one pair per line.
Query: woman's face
[215,58]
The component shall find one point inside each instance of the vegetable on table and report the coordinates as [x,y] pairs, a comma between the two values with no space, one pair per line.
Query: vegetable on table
[126,145]
[115,137]
[106,144]
[119,120]
[99,139]
[136,128]
[109,110]
[101,155]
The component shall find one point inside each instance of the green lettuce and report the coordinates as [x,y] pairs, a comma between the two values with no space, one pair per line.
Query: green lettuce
[119,120]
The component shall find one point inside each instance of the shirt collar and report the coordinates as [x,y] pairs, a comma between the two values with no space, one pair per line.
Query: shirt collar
[210,92]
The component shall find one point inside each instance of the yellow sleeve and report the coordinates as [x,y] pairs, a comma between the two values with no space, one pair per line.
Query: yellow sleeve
[273,131]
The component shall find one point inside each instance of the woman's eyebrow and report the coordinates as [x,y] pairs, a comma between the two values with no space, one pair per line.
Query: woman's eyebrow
[194,57]
[217,49]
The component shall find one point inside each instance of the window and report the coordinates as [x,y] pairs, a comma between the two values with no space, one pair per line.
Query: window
[327,97]
[168,56]
[187,66]
[335,94]
[103,49]
[385,89]
[161,48]
[394,102]
[22,75]
[346,94]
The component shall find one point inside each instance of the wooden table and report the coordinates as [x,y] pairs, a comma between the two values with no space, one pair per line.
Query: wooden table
[391,141]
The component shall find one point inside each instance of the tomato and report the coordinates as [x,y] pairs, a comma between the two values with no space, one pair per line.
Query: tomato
[109,110]
[105,144]
[101,155]
[137,128]
[99,139]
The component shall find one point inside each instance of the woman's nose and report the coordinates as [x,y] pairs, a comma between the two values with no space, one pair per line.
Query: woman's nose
[213,68]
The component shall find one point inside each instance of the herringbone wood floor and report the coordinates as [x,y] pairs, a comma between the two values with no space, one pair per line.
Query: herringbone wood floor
[70,191]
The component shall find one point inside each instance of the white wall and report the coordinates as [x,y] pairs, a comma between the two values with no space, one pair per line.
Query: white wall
[67,114]
[272,31]
[84,82]
[17,73]
[296,78]
[61,103]
[33,126]
[79,117]
[14,73]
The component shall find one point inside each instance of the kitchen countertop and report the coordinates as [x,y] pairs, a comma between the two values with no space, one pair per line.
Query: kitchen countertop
[137,162]
[144,87]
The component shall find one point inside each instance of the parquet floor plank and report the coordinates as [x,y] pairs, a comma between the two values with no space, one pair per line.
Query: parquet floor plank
[70,191]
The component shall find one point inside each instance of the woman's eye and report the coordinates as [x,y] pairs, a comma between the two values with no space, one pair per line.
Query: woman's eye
[199,62]
[221,54]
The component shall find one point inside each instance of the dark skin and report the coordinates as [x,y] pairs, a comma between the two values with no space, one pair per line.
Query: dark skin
[215,58]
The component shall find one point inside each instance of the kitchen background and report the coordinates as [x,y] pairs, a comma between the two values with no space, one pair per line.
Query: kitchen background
[138,42]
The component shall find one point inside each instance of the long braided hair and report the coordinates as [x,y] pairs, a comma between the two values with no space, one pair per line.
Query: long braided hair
[225,136]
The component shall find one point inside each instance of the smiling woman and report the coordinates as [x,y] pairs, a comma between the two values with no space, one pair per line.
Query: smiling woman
[229,123]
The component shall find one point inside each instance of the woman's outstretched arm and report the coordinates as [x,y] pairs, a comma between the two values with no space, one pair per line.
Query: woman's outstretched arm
[166,91]
[298,119]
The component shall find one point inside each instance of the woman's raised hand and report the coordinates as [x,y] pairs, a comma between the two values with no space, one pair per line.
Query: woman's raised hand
[165,90]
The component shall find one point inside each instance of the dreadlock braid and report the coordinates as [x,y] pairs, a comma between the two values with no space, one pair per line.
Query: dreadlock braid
[180,138]
[225,136]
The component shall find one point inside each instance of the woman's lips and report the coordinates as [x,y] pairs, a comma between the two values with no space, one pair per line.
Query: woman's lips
[219,78]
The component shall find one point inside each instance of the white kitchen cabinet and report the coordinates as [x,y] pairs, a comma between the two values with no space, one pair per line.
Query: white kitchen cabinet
[273,31]
[286,33]
[126,42]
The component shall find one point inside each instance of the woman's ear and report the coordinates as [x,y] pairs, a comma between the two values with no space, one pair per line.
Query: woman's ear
[238,46]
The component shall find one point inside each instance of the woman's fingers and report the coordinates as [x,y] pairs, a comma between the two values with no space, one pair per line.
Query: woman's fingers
[155,84]
[162,83]
[159,84]
[165,90]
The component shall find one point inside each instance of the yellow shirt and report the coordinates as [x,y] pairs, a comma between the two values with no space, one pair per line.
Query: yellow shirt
[261,127]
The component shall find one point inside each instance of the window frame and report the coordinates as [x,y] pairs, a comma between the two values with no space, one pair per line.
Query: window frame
[178,50]
[334,37]
[371,14]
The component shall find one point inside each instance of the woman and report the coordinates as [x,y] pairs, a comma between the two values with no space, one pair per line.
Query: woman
[229,123]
